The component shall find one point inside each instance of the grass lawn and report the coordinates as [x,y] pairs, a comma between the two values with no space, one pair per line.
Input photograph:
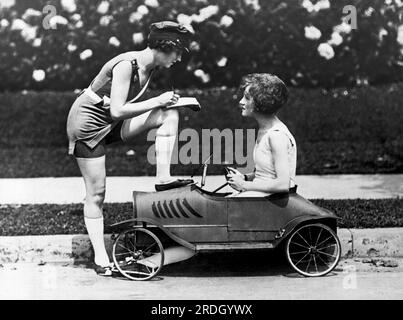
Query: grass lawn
[355,130]
[68,219]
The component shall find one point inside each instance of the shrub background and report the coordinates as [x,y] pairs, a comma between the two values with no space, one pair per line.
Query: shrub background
[233,37]
[67,219]
[340,130]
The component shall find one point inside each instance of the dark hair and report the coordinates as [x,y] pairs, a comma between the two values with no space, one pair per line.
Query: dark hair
[165,46]
[269,93]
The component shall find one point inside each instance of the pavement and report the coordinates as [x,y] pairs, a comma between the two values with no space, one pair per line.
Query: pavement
[364,243]
[203,278]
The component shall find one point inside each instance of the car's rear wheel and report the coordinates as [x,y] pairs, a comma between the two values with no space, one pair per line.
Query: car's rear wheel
[130,247]
[313,250]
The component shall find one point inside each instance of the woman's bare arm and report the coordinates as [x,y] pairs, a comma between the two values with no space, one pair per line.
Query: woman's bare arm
[279,144]
[120,87]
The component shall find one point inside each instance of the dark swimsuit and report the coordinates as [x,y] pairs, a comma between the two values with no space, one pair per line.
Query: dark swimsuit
[90,126]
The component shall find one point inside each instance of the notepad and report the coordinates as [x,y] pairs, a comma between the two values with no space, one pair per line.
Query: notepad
[189,102]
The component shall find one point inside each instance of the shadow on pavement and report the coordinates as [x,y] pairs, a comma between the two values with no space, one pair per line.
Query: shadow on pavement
[230,264]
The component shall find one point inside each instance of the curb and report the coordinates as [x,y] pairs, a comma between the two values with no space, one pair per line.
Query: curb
[360,243]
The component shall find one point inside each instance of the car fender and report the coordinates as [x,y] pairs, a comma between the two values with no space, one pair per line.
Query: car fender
[301,220]
[146,222]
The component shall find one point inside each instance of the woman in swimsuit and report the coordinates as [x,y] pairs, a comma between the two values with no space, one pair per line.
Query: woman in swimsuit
[108,111]
[275,152]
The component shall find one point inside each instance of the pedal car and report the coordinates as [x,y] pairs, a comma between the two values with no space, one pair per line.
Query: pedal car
[209,220]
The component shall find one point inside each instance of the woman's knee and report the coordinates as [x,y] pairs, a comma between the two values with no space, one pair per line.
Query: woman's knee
[96,194]
[169,122]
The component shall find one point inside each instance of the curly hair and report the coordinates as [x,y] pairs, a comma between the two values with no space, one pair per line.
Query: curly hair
[165,46]
[269,93]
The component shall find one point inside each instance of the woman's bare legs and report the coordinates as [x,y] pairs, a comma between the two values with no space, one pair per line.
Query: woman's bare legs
[166,120]
[94,174]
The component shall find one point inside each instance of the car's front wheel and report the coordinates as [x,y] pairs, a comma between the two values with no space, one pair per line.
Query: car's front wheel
[131,247]
[313,250]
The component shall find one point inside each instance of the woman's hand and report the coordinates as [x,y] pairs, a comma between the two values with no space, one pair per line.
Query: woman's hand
[236,181]
[235,171]
[167,99]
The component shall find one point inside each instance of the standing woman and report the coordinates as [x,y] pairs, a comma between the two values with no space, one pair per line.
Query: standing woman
[107,112]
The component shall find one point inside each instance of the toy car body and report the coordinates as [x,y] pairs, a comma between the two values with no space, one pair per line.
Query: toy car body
[202,220]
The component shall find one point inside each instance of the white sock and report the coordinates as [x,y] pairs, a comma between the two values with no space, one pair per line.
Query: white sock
[164,146]
[95,228]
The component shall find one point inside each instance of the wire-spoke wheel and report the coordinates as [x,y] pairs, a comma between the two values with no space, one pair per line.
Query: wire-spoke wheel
[131,247]
[313,250]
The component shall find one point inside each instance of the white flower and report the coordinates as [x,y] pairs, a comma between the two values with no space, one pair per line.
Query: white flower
[152,3]
[37,42]
[86,54]
[326,51]
[196,18]
[38,75]
[143,10]
[204,77]
[55,20]
[253,3]
[79,24]
[343,27]
[76,17]
[113,41]
[184,19]
[31,13]
[138,38]
[222,62]
[226,21]
[336,39]
[103,7]
[382,33]
[131,153]
[135,16]
[400,35]
[19,24]
[105,20]
[388,2]
[194,46]
[69,5]
[7,3]
[29,33]
[308,5]
[207,12]
[322,4]
[369,12]
[71,47]
[312,33]
[4,23]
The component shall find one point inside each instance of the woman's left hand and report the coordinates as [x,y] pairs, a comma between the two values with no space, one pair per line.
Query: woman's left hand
[236,181]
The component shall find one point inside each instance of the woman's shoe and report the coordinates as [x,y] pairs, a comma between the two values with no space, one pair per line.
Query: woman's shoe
[174,184]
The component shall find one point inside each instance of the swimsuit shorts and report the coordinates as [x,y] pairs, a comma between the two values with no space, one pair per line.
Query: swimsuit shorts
[81,150]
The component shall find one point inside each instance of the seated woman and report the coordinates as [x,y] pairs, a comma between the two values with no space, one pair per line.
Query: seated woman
[275,152]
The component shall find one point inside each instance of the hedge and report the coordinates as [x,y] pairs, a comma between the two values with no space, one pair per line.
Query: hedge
[307,43]
[16,220]
[337,131]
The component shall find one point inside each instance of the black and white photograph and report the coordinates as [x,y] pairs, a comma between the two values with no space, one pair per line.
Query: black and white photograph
[216,151]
